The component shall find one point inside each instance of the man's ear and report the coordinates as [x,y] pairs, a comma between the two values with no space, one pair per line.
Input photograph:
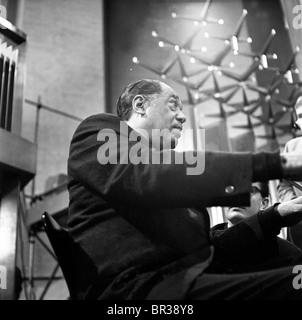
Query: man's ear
[265,203]
[138,104]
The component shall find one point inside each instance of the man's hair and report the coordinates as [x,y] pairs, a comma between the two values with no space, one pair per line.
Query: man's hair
[264,189]
[144,87]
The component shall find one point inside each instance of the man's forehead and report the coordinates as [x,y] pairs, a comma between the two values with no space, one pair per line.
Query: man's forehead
[262,187]
[257,185]
[169,91]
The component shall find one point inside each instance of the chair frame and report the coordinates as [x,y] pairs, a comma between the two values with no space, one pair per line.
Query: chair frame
[34,236]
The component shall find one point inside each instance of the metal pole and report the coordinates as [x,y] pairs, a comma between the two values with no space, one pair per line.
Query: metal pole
[32,295]
[36,137]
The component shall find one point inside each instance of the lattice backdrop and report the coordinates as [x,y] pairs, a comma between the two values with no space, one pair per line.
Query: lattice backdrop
[209,76]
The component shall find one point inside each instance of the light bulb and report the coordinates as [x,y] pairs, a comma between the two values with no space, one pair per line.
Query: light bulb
[135,60]
[264,61]
[154,34]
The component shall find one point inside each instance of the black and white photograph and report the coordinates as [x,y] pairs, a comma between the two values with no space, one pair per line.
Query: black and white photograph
[150,153]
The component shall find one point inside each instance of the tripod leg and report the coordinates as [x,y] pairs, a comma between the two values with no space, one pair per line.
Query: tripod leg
[32,294]
[49,282]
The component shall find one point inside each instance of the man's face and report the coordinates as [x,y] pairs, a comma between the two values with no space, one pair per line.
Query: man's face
[164,112]
[298,109]
[237,214]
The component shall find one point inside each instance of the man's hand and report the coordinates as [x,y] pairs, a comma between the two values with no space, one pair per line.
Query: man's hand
[290,212]
[292,166]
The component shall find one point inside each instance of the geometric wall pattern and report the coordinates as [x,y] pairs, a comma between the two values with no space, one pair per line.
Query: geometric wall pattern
[214,76]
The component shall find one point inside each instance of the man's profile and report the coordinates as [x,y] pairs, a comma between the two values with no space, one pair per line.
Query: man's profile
[144,226]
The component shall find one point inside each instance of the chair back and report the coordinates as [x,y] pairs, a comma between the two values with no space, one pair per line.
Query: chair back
[77,267]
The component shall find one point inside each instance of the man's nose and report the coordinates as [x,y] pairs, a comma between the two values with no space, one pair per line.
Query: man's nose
[181,117]
[296,125]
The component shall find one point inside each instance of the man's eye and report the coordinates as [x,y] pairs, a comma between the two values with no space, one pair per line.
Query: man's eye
[173,103]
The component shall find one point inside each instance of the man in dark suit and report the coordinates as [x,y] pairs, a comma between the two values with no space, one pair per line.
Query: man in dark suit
[137,207]
[257,252]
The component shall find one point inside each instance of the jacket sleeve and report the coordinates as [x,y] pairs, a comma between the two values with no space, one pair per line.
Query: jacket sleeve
[225,180]
[250,240]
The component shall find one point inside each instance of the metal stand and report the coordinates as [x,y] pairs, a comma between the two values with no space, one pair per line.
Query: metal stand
[36,228]
[39,106]
[34,231]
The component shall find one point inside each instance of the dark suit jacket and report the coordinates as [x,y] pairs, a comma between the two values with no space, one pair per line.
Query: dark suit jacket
[252,245]
[139,223]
